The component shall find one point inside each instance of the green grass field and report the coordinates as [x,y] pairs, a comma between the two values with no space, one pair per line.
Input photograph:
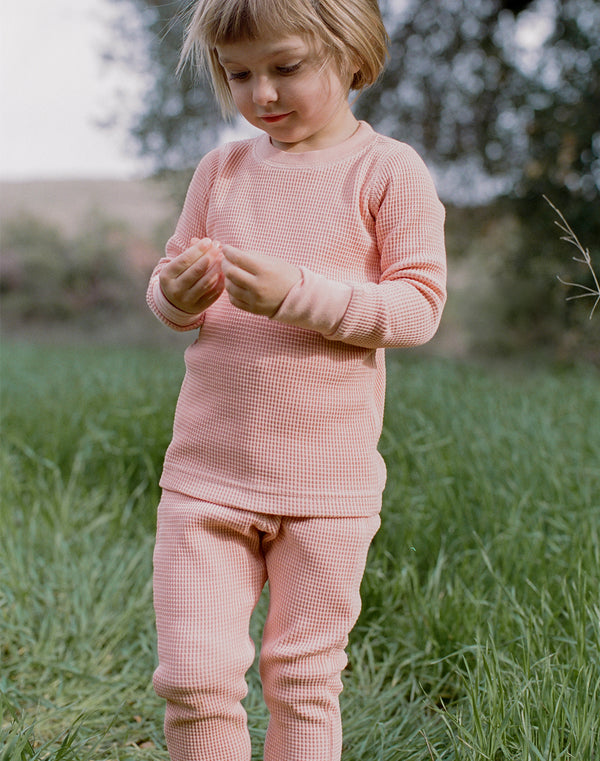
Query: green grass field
[480,631]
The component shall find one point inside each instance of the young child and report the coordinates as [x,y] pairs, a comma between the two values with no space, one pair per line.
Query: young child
[299,256]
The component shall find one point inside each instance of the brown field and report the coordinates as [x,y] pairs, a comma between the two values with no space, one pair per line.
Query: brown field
[142,204]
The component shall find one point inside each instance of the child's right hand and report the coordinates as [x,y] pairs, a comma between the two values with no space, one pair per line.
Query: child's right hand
[193,280]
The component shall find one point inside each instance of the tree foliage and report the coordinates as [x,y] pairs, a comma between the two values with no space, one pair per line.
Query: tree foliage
[466,84]
[562,162]
[178,119]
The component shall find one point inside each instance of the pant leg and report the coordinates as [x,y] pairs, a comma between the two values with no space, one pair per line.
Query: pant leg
[208,575]
[315,567]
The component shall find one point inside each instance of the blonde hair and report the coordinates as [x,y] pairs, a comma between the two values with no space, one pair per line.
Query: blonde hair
[351,33]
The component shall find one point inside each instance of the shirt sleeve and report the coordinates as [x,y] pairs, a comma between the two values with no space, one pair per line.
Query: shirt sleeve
[191,224]
[404,308]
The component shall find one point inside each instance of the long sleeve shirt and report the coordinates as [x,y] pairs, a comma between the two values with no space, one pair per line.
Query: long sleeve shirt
[283,415]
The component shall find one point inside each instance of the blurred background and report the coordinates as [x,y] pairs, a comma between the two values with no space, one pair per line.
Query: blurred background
[98,139]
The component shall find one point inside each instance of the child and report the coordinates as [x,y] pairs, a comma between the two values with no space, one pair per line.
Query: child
[299,256]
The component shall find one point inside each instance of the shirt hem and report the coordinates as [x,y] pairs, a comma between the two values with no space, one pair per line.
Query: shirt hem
[339,505]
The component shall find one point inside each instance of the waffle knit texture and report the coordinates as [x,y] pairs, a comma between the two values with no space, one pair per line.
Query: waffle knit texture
[210,564]
[285,413]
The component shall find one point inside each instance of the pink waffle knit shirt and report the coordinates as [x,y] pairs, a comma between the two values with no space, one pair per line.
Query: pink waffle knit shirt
[283,415]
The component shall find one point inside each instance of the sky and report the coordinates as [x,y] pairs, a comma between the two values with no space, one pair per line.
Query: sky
[54,88]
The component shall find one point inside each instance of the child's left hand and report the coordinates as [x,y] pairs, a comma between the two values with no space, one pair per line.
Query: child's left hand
[255,282]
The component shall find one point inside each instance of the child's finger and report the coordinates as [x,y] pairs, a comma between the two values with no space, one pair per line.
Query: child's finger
[234,291]
[209,281]
[236,274]
[242,259]
[203,273]
[194,259]
[184,261]
[214,268]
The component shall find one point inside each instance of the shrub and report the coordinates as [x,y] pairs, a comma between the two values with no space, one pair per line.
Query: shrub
[47,277]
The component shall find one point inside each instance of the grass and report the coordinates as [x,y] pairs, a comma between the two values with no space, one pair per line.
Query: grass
[480,632]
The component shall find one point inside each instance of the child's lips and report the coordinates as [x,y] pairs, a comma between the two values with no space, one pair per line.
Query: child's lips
[272,118]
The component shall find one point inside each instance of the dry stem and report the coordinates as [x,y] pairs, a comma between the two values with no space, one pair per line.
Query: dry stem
[571,238]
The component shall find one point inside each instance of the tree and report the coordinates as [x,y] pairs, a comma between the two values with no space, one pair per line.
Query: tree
[451,88]
[563,163]
[179,119]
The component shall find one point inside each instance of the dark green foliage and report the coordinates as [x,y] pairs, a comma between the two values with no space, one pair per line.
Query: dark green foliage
[562,163]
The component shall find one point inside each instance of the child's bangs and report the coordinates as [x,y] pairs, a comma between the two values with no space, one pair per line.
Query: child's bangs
[241,20]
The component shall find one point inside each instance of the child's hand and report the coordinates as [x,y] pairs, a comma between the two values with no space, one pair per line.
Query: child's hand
[193,280]
[255,282]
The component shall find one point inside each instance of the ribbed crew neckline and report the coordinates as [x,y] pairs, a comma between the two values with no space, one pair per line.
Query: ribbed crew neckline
[264,150]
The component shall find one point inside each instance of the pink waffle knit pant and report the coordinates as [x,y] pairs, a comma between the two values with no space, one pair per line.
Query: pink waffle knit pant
[210,565]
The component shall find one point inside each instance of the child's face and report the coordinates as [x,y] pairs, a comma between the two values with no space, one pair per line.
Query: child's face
[283,87]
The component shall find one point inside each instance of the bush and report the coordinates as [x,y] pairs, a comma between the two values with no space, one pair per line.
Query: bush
[47,277]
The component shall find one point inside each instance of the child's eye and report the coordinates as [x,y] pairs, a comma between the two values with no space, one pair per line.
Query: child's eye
[239,75]
[289,69]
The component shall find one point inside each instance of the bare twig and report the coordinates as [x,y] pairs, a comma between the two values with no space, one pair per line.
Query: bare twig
[571,238]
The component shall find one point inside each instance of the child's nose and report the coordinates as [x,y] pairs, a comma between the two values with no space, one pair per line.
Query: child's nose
[264,91]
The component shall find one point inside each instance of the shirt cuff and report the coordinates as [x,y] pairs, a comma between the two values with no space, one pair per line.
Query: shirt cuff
[315,303]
